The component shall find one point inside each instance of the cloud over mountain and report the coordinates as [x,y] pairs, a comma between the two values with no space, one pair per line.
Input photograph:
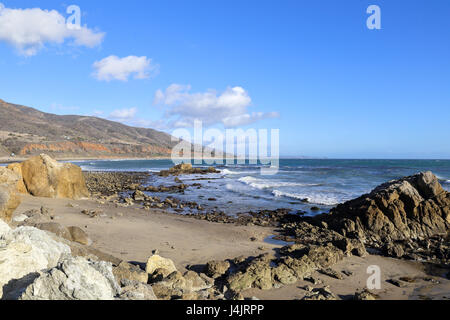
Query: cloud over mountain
[229,108]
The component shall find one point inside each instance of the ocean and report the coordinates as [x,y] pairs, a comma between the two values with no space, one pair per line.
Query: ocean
[299,184]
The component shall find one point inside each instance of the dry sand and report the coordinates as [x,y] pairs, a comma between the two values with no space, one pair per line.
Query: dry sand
[131,233]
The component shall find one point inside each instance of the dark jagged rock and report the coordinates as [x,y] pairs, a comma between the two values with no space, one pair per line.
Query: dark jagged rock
[186,168]
[415,207]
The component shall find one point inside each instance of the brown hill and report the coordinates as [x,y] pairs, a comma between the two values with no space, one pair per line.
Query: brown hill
[26,131]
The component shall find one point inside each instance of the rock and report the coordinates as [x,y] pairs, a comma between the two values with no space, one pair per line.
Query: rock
[158,275]
[164,292]
[331,273]
[397,283]
[20,218]
[55,228]
[186,168]
[258,274]
[394,250]
[157,262]
[320,294]
[414,207]
[351,247]
[16,168]
[302,267]
[78,235]
[41,240]
[364,295]
[314,281]
[105,268]
[325,256]
[171,286]
[136,290]
[196,282]
[28,250]
[45,177]
[9,201]
[188,286]
[4,229]
[182,167]
[127,271]
[284,275]
[138,196]
[71,279]
[216,269]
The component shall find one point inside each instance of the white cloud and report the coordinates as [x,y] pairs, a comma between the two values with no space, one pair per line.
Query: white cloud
[129,117]
[28,30]
[115,68]
[123,114]
[229,108]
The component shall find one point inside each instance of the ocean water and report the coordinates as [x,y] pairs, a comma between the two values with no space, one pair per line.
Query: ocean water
[322,183]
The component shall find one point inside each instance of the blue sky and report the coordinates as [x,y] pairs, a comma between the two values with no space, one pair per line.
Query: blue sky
[313,69]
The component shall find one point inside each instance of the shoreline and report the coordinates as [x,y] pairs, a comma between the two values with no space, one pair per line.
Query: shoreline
[132,233]
[268,254]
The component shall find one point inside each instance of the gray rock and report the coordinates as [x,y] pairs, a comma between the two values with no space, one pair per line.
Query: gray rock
[72,279]
[135,290]
[28,250]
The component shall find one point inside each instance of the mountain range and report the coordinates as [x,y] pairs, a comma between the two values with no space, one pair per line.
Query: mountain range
[26,131]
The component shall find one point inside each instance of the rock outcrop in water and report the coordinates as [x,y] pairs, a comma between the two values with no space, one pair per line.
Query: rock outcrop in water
[186,168]
[411,208]
[45,177]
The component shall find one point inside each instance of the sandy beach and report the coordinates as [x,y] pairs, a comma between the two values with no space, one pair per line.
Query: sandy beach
[132,233]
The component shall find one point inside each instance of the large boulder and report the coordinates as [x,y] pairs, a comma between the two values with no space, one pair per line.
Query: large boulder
[17,169]
[72,279]
[415,207]
[45,177]
[27,250]
[9,201]
[9,198]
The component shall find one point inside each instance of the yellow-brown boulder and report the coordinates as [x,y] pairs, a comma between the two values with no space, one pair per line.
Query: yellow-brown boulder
[46,177]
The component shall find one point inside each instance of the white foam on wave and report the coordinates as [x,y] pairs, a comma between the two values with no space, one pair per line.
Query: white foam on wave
[229,172]
[316,198]
[262,184]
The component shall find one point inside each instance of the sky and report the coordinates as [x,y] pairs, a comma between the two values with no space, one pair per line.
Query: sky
[312,69]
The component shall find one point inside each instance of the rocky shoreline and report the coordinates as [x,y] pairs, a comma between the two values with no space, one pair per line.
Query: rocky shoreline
[407,219]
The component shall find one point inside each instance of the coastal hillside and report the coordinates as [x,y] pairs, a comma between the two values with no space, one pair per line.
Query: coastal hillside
[26,131]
